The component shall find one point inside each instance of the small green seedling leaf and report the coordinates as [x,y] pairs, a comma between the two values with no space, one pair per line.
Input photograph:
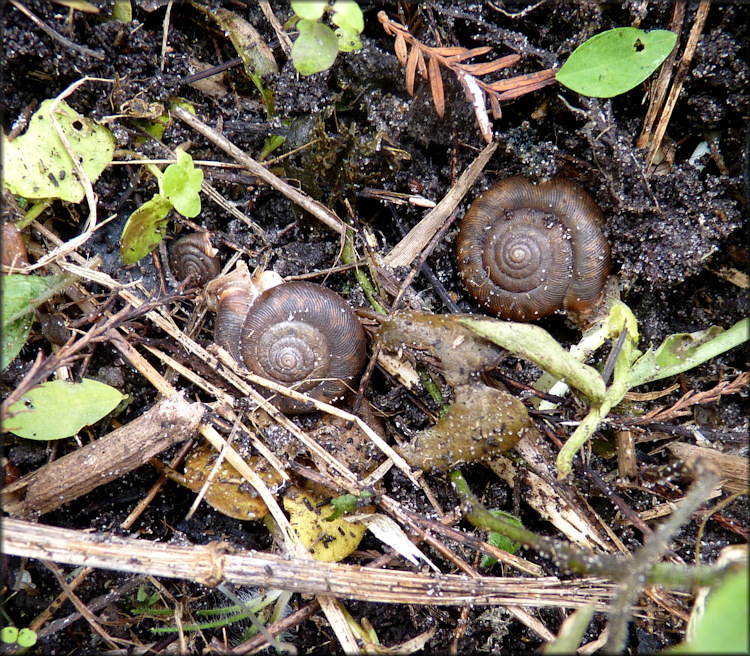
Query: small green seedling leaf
[144,229]
[9,635]
[615,61]
[499,540]
[310,10]
[19,292]
[36,164]
[26,638]
[538,346]
[315,49]
[181,184]
[347,14]
[58,409]
[683,351]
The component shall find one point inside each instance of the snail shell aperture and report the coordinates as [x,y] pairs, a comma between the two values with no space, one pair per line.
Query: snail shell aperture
[194,254]
[526,250]
[298,334]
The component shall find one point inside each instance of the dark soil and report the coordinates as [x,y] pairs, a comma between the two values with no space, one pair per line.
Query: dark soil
[674,235]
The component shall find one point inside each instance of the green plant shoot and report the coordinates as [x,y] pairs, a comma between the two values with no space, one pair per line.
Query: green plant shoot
[179,188]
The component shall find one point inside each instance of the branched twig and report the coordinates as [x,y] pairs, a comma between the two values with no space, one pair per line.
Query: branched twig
[417,57]
[680,408]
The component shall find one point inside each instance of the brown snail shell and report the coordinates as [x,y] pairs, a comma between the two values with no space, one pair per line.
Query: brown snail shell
[299,334]
[194,255]
[526,250]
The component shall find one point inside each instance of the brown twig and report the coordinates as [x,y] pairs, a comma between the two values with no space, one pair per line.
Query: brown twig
[680,408]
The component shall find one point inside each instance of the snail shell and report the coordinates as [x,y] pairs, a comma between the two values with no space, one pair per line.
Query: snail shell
[299,334]
[194,255]
[526,250]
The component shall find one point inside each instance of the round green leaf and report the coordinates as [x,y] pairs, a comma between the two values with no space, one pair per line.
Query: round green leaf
[26,638]
[315,49]
[58,409]
[9,634]
[182,183]
[309,9]
[347,14]
[615,61]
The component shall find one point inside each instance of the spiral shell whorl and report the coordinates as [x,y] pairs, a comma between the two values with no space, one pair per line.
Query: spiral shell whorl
[298,334]
[526,250]
[194,254]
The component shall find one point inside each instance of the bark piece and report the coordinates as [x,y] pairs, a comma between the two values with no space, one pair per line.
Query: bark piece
[171,421]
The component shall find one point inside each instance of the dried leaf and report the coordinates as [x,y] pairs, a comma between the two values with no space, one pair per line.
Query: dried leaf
[421,66]
[526,84]
[436,85]
[448,51]
[489,67]
[495,105]
[411,69]
[524,81]
[468,54]
[400,46]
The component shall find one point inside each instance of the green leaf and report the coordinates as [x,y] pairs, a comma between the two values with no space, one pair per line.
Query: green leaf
[27,638]
[181,184]
[36,164]
[499,540]
[538,346]
[683,351]
[19,292]
[144,229]
[315,49]
[348,40]
[9,634]
[615,61]
[723,629]
[347,14]
[309,9]
[58,409]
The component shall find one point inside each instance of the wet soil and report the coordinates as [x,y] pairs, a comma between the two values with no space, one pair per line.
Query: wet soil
[676,237]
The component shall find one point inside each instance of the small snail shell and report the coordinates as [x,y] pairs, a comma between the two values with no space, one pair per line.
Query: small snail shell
[299,334]
[526,250]
[194,254]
